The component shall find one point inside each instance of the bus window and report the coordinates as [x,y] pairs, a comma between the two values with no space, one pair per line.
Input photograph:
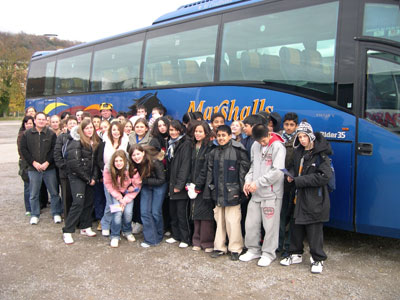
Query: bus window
[383,90]
[181,58]
[116,68]
[72,73]
[382,20]
[41,78]
[295,47]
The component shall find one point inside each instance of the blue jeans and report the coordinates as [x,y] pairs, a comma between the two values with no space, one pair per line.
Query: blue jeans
[26,197]
[152,198]
[107,217]
[99,200]
[121,220]
[35,182]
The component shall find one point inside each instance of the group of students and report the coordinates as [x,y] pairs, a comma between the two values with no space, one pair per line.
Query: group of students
[217,183]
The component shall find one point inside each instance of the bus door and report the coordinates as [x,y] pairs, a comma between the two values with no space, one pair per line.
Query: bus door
[377,203]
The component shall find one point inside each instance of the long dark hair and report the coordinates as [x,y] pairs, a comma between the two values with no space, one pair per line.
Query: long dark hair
[120,129]
[146,165]
[206,128]
[155,132]
[24,121]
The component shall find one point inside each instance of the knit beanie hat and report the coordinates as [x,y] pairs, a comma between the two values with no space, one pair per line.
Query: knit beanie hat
[306,128]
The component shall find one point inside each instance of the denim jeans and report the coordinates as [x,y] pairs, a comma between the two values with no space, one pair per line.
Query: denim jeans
[107,217]
[152,198]
[26,197]
[35,181]
[121,220]
[99,200]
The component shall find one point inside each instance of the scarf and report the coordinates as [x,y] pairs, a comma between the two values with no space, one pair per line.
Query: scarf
[287,137]
[171,147]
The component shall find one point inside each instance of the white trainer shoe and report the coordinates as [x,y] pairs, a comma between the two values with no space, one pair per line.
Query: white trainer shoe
[129,237]
[264,261]
[248,256]
[67,237]
[316,266]
[114,243]
[292,259]
[144,245]
[183,245]
[88,232]
[34,220]
[171,241]
[105,232]
[57,219]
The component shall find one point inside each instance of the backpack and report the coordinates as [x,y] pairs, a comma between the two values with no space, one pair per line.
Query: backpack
[332,180]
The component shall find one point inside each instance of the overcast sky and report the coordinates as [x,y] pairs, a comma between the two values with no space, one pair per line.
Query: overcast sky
[82,20]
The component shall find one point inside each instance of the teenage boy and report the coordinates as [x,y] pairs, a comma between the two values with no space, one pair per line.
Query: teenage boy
[249,122]
[290,123]
[226,168]
[265,182]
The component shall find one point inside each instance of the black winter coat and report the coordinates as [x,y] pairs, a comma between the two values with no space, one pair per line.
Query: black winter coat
[38,146]
[227,167]
[81,161]
[179,169]
[157,175]
[201,209]
[312,201]
[60,161]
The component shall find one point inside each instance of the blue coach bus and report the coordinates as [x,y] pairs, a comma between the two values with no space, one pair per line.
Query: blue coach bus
[335,63]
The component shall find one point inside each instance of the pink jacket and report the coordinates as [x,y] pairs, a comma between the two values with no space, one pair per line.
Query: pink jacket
[121,192]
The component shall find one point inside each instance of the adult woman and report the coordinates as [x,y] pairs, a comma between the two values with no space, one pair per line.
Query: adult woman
[113,140]
[152,196]
[82,174]
[30,111]
[123,184]
[178,154]
[27,123]
[202,210]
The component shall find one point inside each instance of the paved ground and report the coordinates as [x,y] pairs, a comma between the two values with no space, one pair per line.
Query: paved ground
[35,263]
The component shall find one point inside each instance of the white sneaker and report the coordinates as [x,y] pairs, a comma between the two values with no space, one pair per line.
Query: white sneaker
[129,237]
[183,245]
[105,232]
[137,228]
[316,266]
[248,256]
[114,243]
[67,237]
[144,245]
[57,219]
[292,259]
[264,261]
[34,220]
[88,232]
[171,241]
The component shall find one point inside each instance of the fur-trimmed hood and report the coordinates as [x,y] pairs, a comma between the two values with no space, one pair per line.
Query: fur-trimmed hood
[74,133]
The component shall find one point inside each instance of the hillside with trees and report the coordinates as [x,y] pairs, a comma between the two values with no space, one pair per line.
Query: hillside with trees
[15,53]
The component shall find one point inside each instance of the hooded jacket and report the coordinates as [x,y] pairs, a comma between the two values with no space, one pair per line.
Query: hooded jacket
[81,160]
[226,168]
[312,200]
[266,167]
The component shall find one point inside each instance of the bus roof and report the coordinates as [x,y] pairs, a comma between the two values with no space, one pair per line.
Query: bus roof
[197,7]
